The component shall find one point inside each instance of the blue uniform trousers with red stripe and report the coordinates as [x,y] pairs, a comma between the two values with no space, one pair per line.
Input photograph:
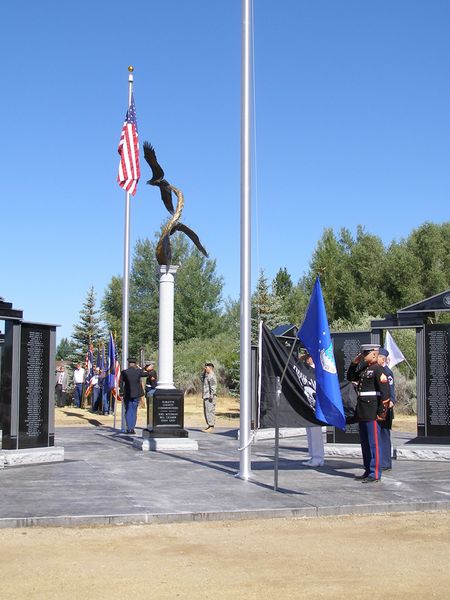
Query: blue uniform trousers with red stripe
[369,433]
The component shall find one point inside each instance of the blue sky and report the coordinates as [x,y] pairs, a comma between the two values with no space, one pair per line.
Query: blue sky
[352,127]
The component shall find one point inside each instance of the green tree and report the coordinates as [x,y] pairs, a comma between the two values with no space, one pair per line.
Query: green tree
[332,261]
[89,329]
[198,294]
[366,268]
[144,297]
[401,277]
[65,350]
[282,284]
[266,307]
[296,302]
[198,291]
[430,243]
[111,309]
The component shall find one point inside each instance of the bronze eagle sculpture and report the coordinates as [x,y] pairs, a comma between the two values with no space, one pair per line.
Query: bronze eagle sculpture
[163,248]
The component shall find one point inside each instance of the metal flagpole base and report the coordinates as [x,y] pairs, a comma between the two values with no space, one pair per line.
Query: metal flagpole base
[245,476]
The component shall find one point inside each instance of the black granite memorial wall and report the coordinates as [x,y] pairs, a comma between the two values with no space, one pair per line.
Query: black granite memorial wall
[9,388]
[2,341]
[437,359]
[27,382]
[34,386]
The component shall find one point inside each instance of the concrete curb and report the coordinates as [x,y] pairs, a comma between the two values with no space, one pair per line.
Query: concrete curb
[241,515]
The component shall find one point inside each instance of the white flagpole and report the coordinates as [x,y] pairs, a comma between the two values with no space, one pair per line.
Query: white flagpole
[126,266]
[245,285]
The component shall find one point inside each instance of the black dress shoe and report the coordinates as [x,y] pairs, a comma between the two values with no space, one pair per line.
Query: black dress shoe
[361,477]
[369,480]
[132,431]
[386,468]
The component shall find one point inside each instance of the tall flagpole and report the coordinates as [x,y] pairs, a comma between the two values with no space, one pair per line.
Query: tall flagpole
[126,265]
[245,297]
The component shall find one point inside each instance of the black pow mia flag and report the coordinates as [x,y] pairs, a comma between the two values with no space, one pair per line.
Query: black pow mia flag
[298,388]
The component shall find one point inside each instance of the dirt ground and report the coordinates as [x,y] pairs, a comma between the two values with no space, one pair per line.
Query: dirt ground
[227,415]
[380,556]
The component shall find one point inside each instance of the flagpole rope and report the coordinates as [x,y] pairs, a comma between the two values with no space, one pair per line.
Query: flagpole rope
[250,441]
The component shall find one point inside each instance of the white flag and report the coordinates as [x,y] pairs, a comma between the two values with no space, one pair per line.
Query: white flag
[395,354]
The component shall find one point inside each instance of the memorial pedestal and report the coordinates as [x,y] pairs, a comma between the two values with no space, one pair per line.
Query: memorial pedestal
[423,452]
[31,456]
[166,432]
[168,444]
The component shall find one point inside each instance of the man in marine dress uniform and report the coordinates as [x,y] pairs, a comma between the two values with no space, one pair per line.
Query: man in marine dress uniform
[373,401]
[386,425]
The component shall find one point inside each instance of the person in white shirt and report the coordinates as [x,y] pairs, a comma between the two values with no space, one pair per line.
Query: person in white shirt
[78,379]
[95,385]
[316,447]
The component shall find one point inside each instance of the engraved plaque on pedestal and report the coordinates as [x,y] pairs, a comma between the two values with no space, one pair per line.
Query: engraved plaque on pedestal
[168,414]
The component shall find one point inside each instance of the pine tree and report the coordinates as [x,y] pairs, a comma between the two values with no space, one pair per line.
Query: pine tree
[89,329]
[65,350]
[111,309]
[144,297]
[266,307]
[198,291]
[282,284]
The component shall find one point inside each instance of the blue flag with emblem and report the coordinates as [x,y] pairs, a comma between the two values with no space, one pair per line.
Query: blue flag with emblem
[315,335]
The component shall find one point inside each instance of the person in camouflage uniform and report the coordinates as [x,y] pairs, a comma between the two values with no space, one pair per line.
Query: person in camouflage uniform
[209,396]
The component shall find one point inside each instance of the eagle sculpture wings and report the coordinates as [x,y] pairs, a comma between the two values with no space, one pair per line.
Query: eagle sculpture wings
[163,248]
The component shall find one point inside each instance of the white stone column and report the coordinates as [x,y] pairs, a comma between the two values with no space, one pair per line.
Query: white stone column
[166,312]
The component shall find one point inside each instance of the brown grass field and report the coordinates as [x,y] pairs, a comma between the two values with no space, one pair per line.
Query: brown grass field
[227,415]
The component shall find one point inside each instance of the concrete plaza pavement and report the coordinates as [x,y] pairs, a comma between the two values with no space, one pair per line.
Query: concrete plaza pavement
[105,480]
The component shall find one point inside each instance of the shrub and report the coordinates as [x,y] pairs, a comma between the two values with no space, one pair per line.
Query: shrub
[190,357]
[405,393]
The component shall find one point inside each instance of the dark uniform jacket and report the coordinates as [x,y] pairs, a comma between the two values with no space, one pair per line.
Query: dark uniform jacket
[387,423]
[151,382]
[390,376]
[372,389]
[130,382]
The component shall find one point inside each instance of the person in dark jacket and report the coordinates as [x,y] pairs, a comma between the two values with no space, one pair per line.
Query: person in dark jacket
[373,401]
[152,378]
[386,425]
[130,383]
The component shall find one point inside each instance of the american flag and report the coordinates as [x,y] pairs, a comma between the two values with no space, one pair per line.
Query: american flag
[115,391]
[129,170]
[89,366]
